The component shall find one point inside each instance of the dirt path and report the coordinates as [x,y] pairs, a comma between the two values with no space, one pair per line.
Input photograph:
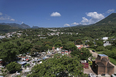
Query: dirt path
[94,54]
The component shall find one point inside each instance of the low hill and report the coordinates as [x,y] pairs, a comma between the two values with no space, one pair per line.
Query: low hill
[23,26]
[7,28]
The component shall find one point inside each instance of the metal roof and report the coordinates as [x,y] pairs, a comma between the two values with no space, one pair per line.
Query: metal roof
[102,55]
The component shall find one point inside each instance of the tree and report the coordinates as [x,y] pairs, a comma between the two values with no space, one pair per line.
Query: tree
[8,51]
[78,42]
[100,48]
[25,47]
[13,67]
[70,46]
[58,44]
[99,42]
[83,53]
[90,43]
[58,66]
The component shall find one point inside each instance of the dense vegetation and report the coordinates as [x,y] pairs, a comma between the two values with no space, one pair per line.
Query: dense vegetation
[13,67]
[59,66]
[39,40]
[6,29]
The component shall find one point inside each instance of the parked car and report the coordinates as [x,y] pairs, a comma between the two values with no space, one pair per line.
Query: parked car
[113,75]
[93,51]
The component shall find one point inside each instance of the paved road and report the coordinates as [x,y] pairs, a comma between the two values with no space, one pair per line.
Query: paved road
[94,54]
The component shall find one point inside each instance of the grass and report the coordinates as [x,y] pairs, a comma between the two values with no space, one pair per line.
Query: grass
[112,60]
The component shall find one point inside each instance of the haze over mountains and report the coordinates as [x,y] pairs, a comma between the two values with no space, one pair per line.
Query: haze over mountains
[109,20]
[22,26]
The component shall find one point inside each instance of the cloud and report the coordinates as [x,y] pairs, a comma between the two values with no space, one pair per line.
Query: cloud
[94,17]
[2,18]
[75,23]
[55,14]
[66,25]
[110,11]
[0,13]
[12,19]
[6,17]
[84,20]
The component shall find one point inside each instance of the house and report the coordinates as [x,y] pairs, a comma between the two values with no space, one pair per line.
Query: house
[85,64]
[1,37]
[22,63]
[106,44]
[105,38]
[102,65]
[79,46]
[65,52]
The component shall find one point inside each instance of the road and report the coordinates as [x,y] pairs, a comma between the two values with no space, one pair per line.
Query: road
[94,54]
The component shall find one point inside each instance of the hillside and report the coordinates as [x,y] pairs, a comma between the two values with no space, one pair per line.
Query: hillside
[6,28]
[111,19]
[105,27]
[23,26]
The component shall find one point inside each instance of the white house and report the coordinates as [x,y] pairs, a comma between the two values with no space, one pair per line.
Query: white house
[106,44]
[105,38]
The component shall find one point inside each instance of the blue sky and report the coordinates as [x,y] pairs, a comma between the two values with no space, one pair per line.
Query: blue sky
[55,13]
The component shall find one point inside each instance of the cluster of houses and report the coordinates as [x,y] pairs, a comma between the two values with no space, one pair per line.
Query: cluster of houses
[11,34]
[36,58]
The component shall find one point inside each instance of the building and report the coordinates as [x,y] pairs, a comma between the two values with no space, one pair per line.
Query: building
[106,44]
[85,64]
[102,65]
[79,46]
[105,38]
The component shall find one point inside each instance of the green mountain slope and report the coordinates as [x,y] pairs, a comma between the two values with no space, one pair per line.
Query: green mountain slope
[6,28]
[111,19]
[105,27]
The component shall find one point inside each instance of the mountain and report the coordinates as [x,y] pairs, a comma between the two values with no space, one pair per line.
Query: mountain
[7,28]
[22,26]
[103,28]
[111,19]
[35,27]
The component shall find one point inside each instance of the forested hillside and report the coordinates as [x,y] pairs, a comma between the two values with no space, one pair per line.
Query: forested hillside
[6,29]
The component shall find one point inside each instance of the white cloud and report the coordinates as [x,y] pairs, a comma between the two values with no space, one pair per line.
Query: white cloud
[2,18]
[0,13]
[95,17]
[12,19]
[84,20]
[75,23]
[22,22]
[54,14]
[110,11]
[6,17]
[66,25]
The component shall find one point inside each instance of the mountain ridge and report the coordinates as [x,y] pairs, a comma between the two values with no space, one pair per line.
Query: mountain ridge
[22,26]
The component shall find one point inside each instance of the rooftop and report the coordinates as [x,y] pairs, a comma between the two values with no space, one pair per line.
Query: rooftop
[102,55]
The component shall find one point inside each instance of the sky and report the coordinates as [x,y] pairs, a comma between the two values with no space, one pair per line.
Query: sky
[55,13]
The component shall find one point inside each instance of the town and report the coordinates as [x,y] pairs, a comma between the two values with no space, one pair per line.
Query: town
[57,38]
[30,53]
